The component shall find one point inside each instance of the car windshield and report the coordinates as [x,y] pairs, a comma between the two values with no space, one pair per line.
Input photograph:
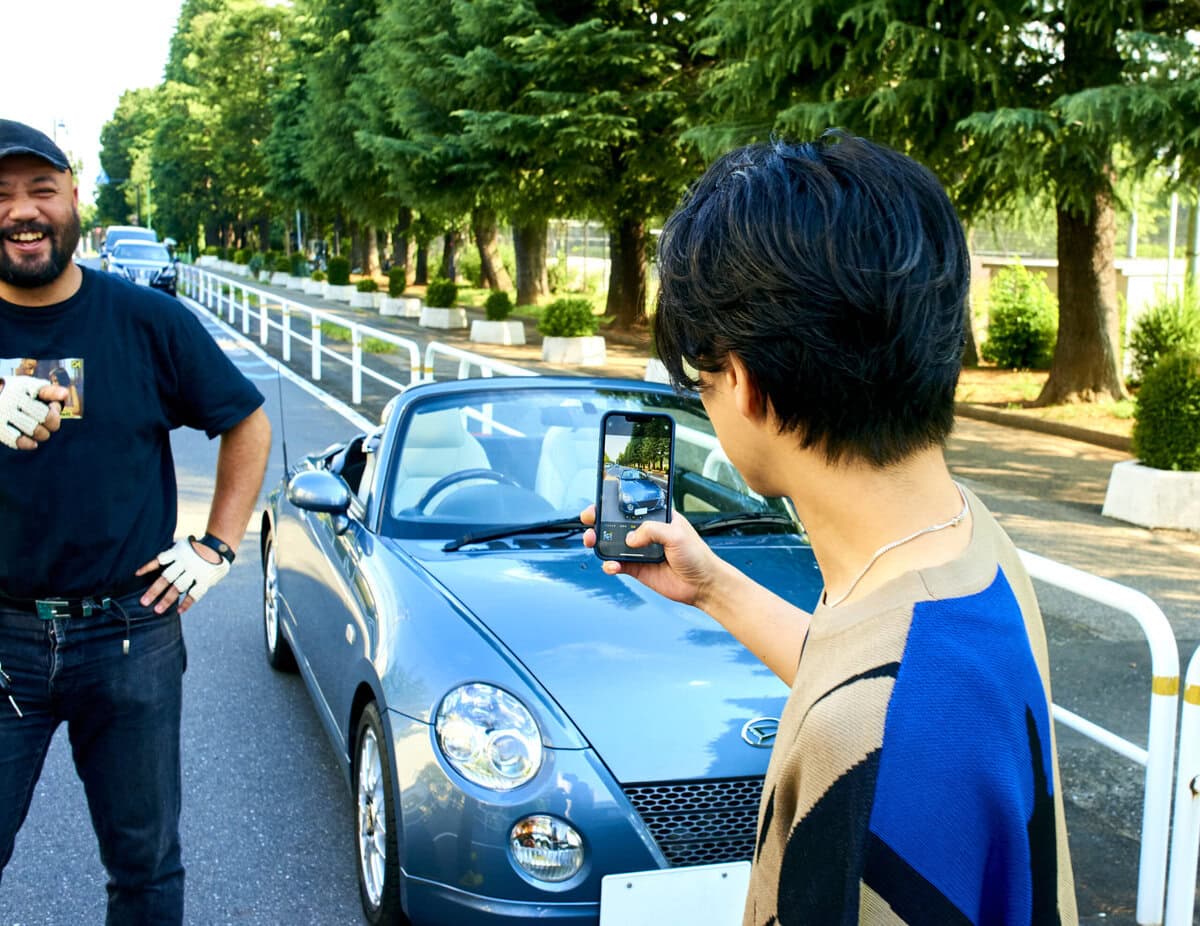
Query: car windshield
[128,250]
[473,461]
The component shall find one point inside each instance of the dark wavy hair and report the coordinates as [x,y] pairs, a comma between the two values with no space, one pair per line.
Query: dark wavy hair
[837,272]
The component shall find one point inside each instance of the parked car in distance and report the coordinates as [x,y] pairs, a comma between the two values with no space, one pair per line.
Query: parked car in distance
[145,263]
[640,493]
[524,736]
[116,233]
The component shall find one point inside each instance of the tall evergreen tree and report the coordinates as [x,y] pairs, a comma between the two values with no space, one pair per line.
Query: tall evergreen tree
[984,93]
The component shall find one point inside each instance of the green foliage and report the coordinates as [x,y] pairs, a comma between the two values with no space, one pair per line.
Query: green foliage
[298,265]
[367,285]
[1023,320]
[255,264]
[241,256]
[222,253]
[1166,432]
[1170,324]
[498,306]
[318,276]
[469,266]
[397,281]
[282,265]
[211,251]
[334,332]
[568,318]
[441,294]
[339,271]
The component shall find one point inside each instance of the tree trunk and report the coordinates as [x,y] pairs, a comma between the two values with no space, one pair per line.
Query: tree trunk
[483,227]
[371,254]
[529,243]
[450,242]
[1086,365]
[400,240]
[627,274]
[421,277]
[338,227]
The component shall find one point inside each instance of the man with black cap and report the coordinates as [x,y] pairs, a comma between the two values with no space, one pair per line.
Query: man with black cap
[90,605]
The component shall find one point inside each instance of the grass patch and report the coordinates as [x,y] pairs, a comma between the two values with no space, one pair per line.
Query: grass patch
[334,332]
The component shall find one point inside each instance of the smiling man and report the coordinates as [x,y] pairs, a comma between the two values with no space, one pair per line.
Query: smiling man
[90,633]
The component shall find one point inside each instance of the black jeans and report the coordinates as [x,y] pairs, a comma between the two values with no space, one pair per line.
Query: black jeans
[122,714]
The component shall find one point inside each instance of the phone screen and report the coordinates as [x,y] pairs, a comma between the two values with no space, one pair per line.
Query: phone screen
[637,453]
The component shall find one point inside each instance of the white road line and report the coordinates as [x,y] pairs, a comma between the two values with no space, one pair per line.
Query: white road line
[355,418]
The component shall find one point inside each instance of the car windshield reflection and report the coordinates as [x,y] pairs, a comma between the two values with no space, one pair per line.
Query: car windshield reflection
[508,459]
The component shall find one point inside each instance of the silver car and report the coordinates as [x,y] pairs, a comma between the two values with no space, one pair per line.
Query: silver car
[145,263]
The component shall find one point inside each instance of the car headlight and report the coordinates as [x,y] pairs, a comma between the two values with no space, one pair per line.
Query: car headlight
[489,737]
[546,847]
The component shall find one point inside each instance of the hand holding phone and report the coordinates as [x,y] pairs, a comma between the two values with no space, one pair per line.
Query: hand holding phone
[634,482]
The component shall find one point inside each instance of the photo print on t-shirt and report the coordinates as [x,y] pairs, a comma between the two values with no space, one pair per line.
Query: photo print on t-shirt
[66,372]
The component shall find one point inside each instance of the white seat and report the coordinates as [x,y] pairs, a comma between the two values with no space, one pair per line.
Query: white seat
[566,473]
[436,444]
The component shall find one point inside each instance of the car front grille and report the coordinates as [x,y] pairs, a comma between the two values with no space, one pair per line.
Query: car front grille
[700,822]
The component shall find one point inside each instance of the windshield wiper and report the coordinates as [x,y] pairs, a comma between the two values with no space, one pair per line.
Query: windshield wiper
[745,519]
[566,525]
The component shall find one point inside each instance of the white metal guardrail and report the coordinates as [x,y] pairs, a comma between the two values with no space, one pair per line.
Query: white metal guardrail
[1185,830]
[1157,758]
[1159,754]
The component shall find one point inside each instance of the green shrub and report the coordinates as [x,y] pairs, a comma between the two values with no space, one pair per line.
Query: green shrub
[1023,321]
[568,318]
[241,256]
[255,263]
[339,271]
[318,275]
[556,276]
[498,306]
[397,281]
[1166,432]
[299,265]
[282,265]
[367,286]
[469,266]
[441,293]
[1170,324]
[222,253]
[211,250]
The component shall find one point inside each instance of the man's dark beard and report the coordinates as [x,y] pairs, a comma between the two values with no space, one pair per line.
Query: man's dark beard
[63,241]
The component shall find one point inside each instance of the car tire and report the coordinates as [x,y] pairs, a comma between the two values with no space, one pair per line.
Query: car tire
[376,854]
[279,653]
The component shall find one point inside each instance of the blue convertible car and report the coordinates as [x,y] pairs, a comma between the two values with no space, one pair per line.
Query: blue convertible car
[525,737]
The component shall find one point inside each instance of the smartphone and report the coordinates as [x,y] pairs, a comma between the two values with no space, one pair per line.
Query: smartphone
[634,484]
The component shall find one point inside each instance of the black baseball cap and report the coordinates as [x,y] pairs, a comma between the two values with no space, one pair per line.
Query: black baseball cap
[19,138]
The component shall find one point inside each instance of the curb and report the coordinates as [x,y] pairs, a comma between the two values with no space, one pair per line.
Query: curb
[1042,426]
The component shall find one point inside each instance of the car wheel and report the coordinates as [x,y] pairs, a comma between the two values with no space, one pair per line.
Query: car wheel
[279,653]
[375,823]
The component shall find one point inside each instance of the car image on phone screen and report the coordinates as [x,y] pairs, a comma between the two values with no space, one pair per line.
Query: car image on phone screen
[634,482]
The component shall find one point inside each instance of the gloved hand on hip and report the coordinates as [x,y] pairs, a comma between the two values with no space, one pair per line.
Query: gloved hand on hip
[185,569]
[25,418]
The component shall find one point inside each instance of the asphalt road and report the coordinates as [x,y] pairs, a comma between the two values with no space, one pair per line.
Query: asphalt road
[267,817]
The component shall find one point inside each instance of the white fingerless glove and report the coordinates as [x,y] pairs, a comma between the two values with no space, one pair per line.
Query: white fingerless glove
[21,411]
[190,572]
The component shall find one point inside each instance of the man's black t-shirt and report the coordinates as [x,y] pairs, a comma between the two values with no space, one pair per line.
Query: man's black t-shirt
[98,500]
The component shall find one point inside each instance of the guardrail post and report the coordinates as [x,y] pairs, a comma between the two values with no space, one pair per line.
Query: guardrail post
[245,310]
[264,328]
[1185,830]
[287,332]
[355,365]
[316,347]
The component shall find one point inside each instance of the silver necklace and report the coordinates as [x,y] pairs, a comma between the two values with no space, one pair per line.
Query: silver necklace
[953,522]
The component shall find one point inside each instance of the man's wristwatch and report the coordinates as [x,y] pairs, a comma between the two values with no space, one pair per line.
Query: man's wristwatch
[216,544]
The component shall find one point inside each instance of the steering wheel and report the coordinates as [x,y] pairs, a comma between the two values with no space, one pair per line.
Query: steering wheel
[462,476]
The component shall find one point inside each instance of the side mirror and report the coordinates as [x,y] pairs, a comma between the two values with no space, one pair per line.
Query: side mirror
[319,491]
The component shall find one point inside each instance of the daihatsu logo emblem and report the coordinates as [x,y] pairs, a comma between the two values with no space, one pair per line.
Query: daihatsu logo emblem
[761,731]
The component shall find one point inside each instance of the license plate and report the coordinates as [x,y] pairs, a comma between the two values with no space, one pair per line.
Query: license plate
[710,894]
[640,511]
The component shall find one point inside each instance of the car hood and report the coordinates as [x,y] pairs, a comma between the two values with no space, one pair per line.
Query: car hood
[659,689]
[127,264]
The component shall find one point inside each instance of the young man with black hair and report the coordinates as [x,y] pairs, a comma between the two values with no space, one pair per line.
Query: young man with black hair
[90,633]
[814,294]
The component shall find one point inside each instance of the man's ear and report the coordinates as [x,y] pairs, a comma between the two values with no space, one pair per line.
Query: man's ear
[747,397]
